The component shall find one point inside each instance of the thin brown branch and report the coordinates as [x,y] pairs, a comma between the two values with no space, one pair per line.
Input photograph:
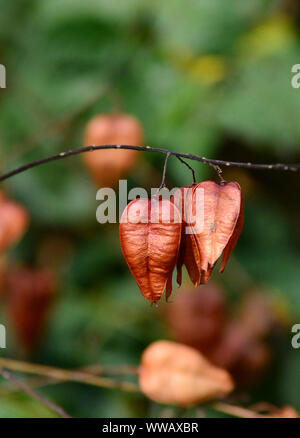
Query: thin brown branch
[23,168]
[66,375]
[115,369]
[235,411]
[24,387]
[163,180]
[219,172]
[41,381]
[190,167]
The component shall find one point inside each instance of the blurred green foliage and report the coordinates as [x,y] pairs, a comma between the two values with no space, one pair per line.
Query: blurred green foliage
[203,77]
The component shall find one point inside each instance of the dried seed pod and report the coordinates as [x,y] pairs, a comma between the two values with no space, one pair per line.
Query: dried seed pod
[235,235]
[150,232]
[14,220]
[244,356]
[176,374]
[191,259]
[259,315]
[189,254]
[197,317]
[240,344]
[29,294]
[108,166]
[222,223]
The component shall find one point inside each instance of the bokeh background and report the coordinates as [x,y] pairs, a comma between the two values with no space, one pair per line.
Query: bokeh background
[202,77]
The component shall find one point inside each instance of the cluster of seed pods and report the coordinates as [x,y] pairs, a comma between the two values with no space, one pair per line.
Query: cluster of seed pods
[194,228]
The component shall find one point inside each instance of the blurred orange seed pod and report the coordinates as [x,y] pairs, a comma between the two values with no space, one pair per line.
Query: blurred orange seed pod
[197,318]
[14,220]
[176,374]
[150,232]
[29,294]
[258,314]
[241,353]
[109,165]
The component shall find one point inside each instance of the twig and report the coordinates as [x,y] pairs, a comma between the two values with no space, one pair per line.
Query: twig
[116,370]
[190,167]
[34,383]
[67,375]
[235,411]
[23,168]
[24,387]
[109,370]
[219,172]
[42,381]
[163,180]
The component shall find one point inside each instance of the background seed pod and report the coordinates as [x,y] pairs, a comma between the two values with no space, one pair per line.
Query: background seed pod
[176,374]
[14,220]
[197,316]
[29,295]
[245,356]
[108,166]
[241,343]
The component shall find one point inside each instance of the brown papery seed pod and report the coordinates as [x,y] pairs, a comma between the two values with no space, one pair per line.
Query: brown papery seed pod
[29,294]
[242,354]
[150,232]
[176,374]
[259,315]
[189,254]
[222,223]
[108,166]
[14,220]
[197,317]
